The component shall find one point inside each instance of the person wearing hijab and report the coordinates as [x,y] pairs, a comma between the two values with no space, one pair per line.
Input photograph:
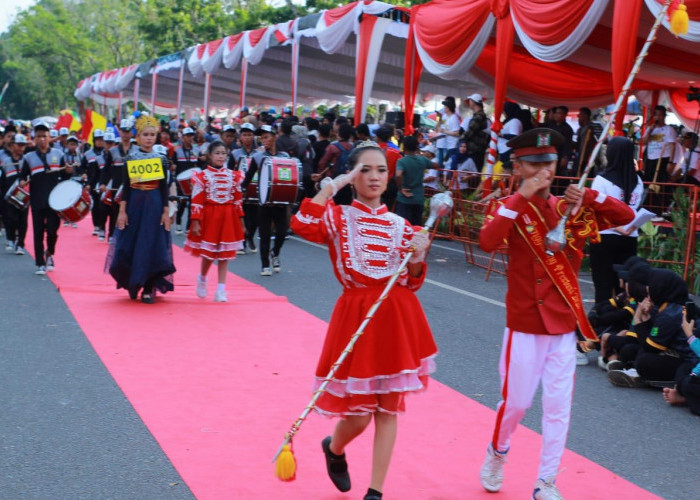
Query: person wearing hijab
[619,180]
[663,345]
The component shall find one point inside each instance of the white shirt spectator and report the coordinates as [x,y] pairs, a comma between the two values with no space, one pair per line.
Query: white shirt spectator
[431,174]
[658,138]
[452,125]
[511,127]
[604,186]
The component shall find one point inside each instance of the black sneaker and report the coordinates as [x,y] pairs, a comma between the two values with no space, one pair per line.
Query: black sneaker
[276,266]
[336,466]
[251,245]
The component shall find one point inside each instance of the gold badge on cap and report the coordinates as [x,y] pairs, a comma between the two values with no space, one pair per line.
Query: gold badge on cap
[54,159]
[544,140]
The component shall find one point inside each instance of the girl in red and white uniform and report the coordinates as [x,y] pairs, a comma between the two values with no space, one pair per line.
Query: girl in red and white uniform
[216,232]
[395,355]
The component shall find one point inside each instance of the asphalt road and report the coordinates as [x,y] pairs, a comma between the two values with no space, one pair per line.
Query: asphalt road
[67,431]
[632,432]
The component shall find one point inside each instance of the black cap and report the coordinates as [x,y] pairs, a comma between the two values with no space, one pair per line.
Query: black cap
[537,144]
[450,103]
[640,273]
[623,270]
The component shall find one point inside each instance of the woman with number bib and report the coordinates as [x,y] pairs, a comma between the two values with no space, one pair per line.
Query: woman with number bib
[141,256]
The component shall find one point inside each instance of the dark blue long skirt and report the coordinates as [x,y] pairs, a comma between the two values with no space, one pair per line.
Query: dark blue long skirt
[142,254]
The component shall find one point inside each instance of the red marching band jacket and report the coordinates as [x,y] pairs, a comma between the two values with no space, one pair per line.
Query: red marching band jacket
[533,302]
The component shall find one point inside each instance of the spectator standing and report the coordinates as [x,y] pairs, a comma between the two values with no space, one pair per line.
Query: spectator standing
[512,126]
[410,171]
[586,138]
[620,180]
[335,162]
[449,126]
[564,150]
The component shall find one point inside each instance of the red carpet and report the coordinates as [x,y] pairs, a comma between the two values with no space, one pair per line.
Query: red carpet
[218,385]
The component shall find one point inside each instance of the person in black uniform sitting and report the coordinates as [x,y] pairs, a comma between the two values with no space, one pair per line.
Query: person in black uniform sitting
[46,168]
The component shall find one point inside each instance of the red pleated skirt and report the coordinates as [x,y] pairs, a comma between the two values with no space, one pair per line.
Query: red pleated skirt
[393,357]
[221,234]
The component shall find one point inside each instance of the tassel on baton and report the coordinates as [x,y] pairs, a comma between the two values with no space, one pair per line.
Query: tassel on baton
[285,464]
[556,238]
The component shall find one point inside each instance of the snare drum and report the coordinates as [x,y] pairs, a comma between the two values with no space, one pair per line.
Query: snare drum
[280,181]
[251,192]
[18,196]
[107,197]
[184,180]
[70,201]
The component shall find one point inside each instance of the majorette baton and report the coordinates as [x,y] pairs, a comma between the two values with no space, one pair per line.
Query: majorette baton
[556,238]
[285,463]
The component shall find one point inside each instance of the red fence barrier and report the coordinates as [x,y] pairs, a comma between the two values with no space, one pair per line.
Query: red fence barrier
[668,241]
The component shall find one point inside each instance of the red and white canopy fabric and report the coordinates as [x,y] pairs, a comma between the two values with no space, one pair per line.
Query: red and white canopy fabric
[313,58]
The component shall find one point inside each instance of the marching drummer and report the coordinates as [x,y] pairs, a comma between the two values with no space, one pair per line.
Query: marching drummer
[250,207]
[45,167]
[110,140]
[114,167]
[268,214]
[186,157]
[15,218]
[92,164]
[73,157]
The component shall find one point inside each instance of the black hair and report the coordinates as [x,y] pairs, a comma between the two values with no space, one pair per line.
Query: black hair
[312,123]
[286,127]
[564,109]
[330,116]
[586,111]
[345,132]
[341,120]
[215,144]
[324,130]
[410,143]
[362,128]
[660,108]
[357,152]
[384,134]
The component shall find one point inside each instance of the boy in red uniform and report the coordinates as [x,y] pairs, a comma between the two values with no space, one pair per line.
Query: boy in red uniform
[543,300]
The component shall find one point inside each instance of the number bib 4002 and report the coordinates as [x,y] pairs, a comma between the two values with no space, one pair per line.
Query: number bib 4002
[148,169]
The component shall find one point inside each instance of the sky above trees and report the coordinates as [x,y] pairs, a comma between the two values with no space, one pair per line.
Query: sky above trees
[52,44]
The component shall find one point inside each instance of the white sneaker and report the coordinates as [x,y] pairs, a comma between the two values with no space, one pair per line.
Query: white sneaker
[266,271]
[491,475]
[101,235]
[602,364]
[201,287]
[73,225]
[66,223]
[50,266]
[19,251]
[581,359]
[546,490]
[178,229]
[625,378]
[220,296]
[95,232]
[40,270]
[10,247]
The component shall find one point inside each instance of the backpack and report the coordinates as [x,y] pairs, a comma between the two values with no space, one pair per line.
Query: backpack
[341,166]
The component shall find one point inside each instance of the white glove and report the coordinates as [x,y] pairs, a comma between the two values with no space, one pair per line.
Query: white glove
[420,243]
[343,180]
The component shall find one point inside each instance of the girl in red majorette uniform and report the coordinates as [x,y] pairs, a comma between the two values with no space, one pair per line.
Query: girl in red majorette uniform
[216,232]
[395,355]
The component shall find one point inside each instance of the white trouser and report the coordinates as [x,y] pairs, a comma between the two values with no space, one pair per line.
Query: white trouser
[526,359]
